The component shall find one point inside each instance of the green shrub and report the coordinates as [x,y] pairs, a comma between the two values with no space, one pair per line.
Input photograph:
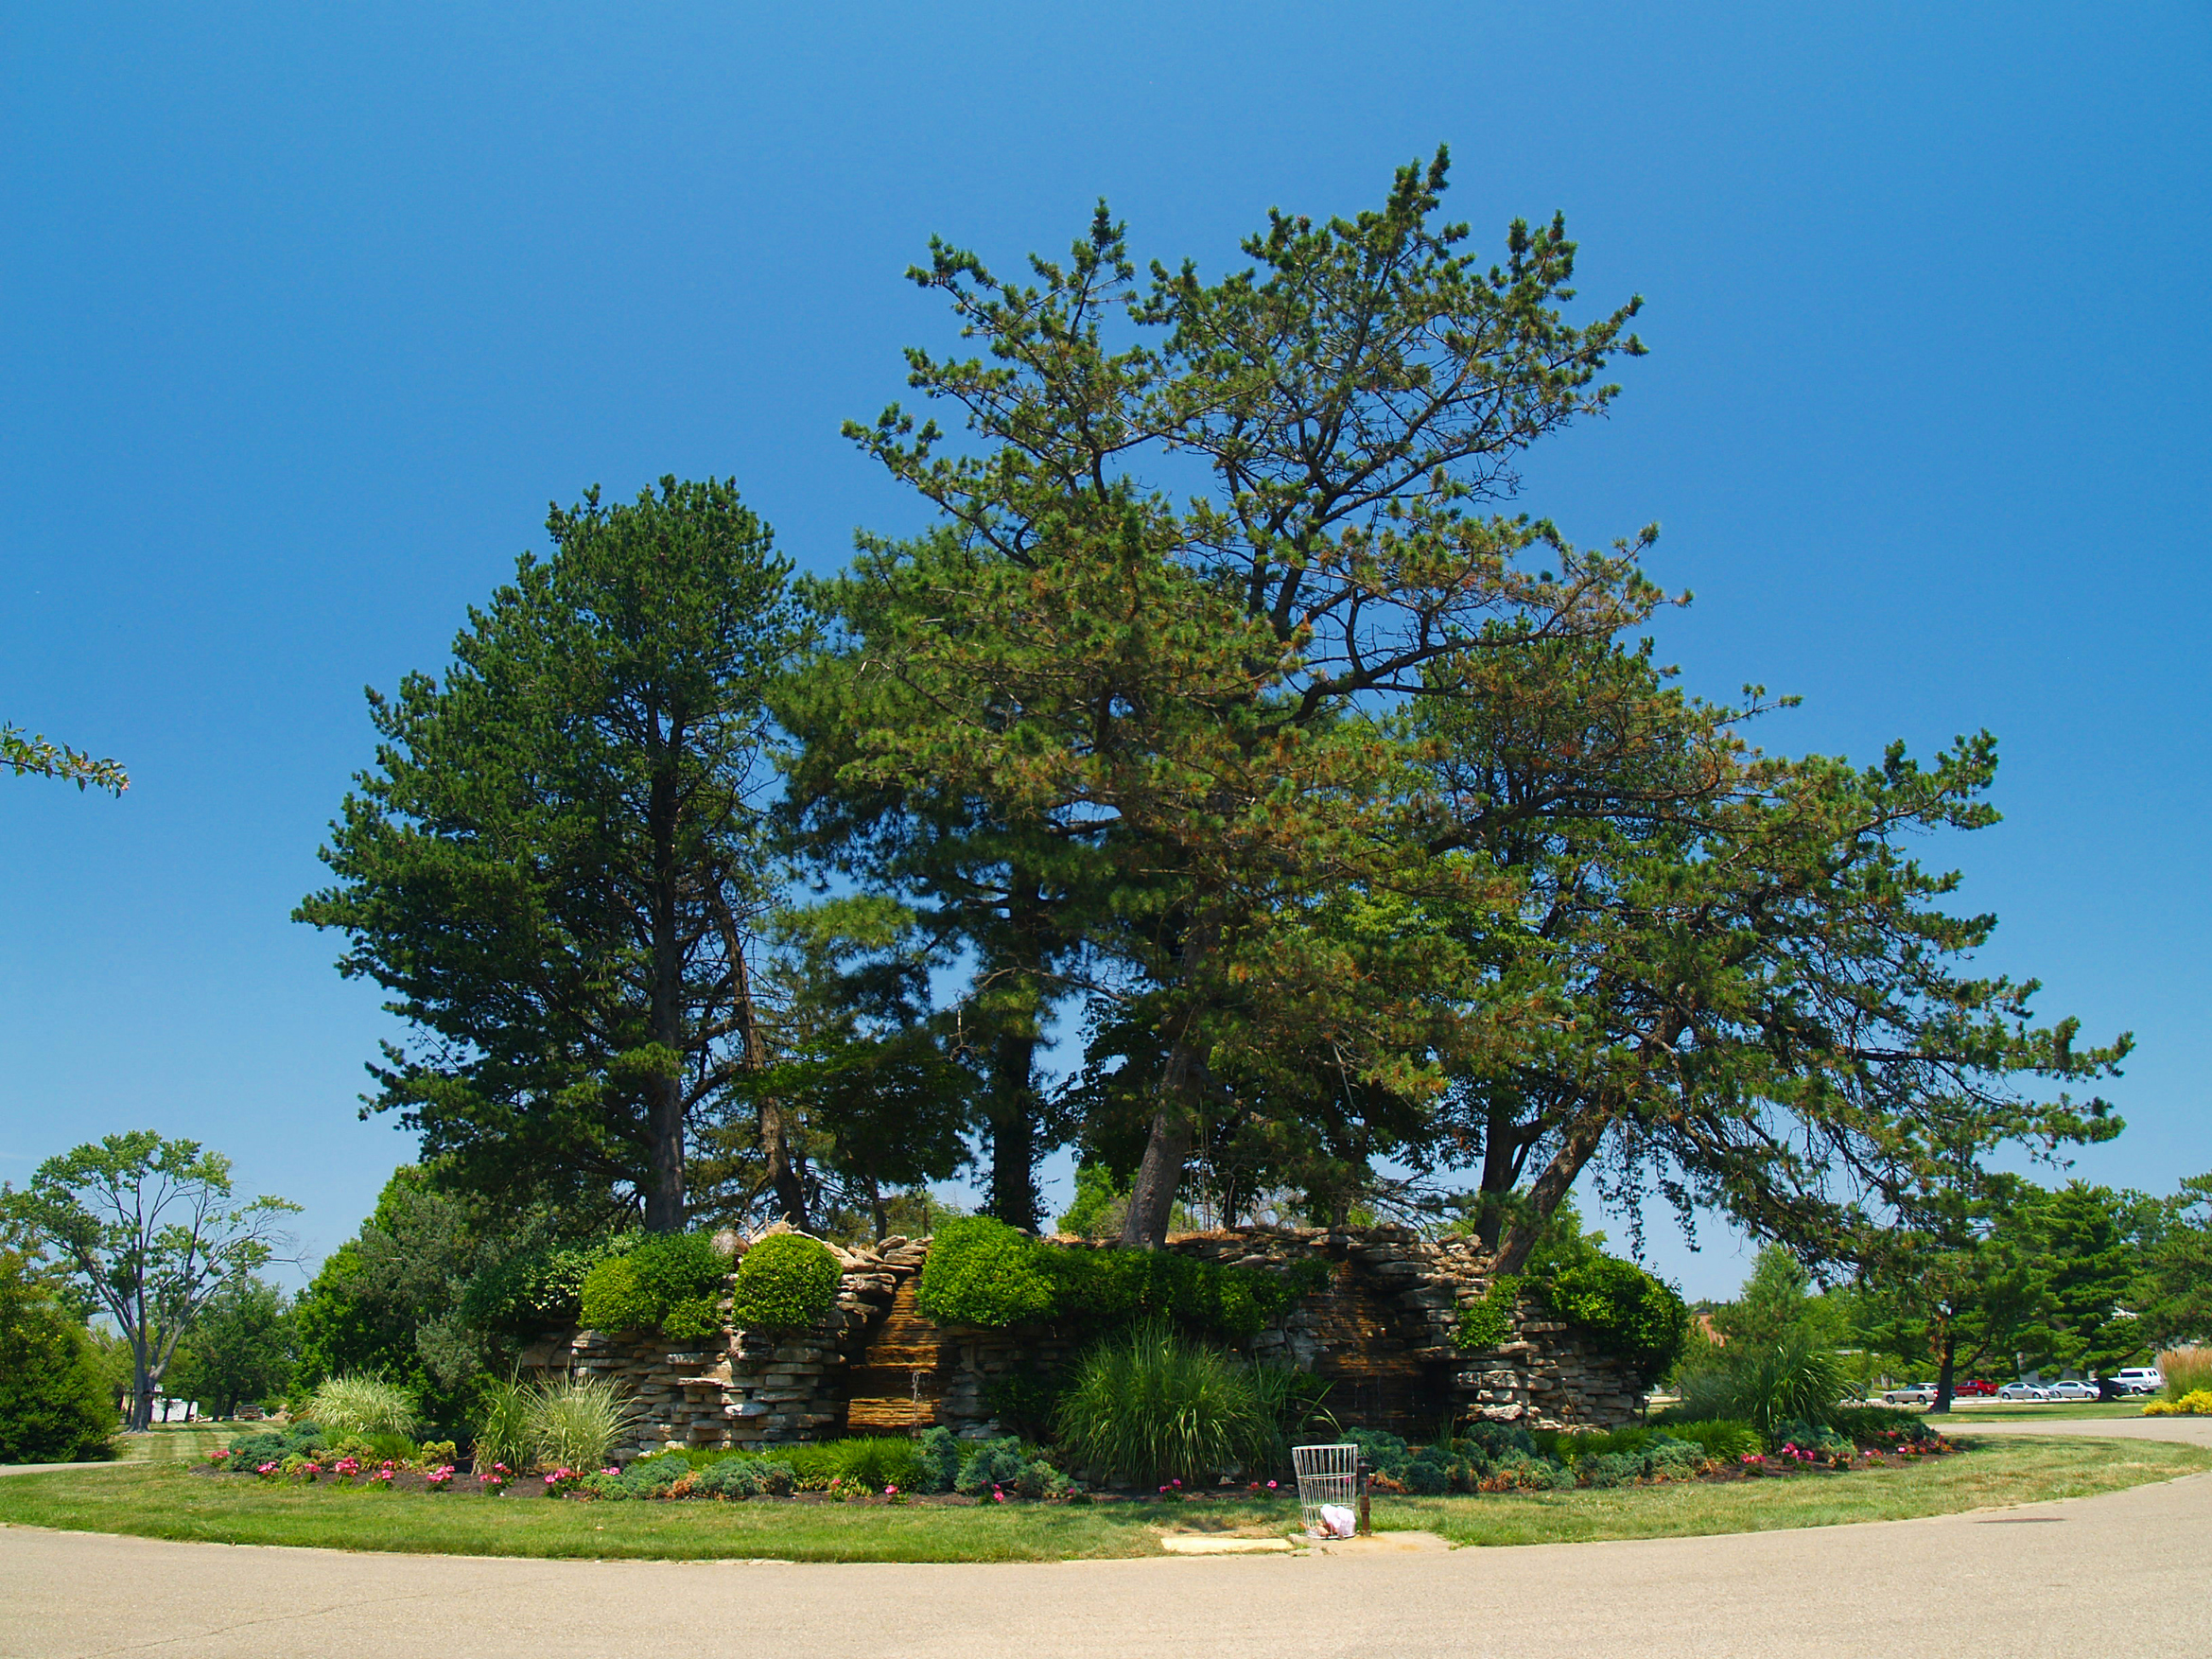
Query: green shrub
[1489,1322]
[1727,1439]
[937,1460]
[253,1450]
[990,1464]
[984,1272]
[669,1282]
[1107,1288]
[1865,1426]
[539,1286]
[1625,1311]
[363,1405]
[613,1298]
[880,1460]
[787,1282]
[1609,1469]
[54,1404]
[1151,1406]
[728,1477]
[1665,1454]
[648,1477]
[1497,1440]
[576,1422]
[1386,1454]
[1428,1474]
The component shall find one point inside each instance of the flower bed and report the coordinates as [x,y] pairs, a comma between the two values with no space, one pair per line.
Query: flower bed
[941,1471]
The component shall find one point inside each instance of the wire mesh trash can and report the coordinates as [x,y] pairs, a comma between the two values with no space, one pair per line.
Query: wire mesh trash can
[1327,1475]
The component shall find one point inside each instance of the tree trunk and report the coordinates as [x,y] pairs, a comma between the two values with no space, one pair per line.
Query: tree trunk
[142,1386]
[1580,1144]
[1152,1198]
[1947,1372]
[1502,1149]
[1011,1115]
[1152,1195]
[665,1197]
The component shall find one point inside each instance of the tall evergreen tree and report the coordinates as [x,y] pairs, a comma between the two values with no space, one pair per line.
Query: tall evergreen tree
[1205,688]
[559,864]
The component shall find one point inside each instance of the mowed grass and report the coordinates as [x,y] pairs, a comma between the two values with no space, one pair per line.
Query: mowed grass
[171,1501]
[1988,1474]
[178,1443]
[2031,1410]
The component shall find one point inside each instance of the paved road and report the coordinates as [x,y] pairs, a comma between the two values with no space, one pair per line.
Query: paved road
[2120,1574]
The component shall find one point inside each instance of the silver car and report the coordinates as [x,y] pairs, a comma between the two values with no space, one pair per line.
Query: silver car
[1911,1394]
[2070,1390]
[2021,1391]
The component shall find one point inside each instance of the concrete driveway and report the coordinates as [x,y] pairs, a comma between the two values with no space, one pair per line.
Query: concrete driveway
[2120,1574]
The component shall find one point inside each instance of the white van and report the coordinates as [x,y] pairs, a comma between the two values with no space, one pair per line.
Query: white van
[2139,1379]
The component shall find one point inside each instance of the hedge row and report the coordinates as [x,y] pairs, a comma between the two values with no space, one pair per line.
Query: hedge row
[984,1272]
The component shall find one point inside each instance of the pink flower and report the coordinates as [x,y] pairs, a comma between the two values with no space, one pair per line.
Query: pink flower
[998,1496]
[891,1492]
[1271,1486]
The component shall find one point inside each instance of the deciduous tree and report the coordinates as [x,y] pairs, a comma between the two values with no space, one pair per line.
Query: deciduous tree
[151,1229]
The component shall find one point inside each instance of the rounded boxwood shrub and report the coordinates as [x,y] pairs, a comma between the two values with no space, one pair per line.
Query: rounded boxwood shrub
[787,1282]
[612,1300]
[672,1282]
[1628,1312]
[984,1272]
[682,1276]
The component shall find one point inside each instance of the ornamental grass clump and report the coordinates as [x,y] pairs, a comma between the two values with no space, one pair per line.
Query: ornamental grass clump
[1152,1407]
[362,1406]
[506,1425]
[1794,1381]
[2186,1370]
[576,1422]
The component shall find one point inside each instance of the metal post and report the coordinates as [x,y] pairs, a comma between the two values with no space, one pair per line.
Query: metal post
[1365,1472]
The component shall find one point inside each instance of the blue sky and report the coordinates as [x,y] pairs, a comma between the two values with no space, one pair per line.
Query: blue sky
[310,311]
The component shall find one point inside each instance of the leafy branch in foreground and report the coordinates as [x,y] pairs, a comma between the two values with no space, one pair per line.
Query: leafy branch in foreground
[39,757]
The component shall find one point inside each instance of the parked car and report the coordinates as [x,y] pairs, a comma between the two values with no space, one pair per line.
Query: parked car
[1910,1394]
[1979,1388]
[2071,1391]
[2139,1379]
[2021,1391]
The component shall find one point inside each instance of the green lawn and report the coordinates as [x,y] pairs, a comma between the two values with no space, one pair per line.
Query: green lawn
[1992,1473]
[2035,1410]
[169,1500]
[178,1443]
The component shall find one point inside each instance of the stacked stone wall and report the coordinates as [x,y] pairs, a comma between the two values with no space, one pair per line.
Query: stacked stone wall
[1378,1330]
